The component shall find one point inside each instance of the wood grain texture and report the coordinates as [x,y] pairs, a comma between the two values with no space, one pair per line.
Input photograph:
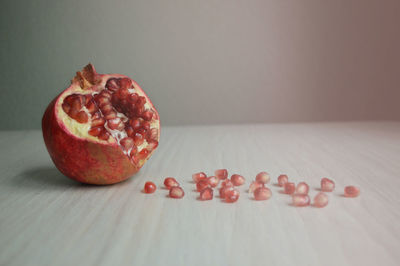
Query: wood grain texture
[47,219]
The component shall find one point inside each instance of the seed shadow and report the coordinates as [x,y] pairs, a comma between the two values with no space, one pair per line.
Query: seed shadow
[191,182]
[283,192]
[48,178]
[276,185]
[318,189]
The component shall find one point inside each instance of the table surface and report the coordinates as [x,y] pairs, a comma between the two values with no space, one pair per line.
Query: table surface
[48,219]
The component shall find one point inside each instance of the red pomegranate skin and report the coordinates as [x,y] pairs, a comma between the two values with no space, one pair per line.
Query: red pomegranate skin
[81,159]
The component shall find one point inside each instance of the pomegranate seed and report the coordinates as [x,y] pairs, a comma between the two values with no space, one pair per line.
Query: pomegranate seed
[104,135]
[152,145]
[98,122]
[125,83]
[91,107]
[133,151]
[254,185]
[82,117]
[153,135]
[206,194]
[147,115]
[105,94]
[102,101]
[232,195]
[133,98]
[282,180]
[114,123]
[237,180]
[176,192]
[149,187]
[201,185]
[301,200]
[111,115]
[262,193]
[327,185]
[199,176]
[129,131]
[76,103]
[146,125]
[95,131]
[302,188]
[263,177]
[289,188]
[223,190]
[142,131]
[127,143]
[213,181]
[106,109]
[320,200]
[135,123]
[227,183]
[143,154]
[221,173]
[138,138]
[66,107]
[112,84]
[170,182]
[351,191]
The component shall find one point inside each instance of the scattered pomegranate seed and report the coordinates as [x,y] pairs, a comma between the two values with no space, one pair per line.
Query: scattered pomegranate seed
[320,200]
[327,185]
[199,176]
[227,183]
[262,193]
[301,200]
[202,185]
[282,180]
[223,190]
[213,181]
[351,191]
[176,192]
[206,194]
[302,188]
[237,180]
[263,177]
[254,185]
[149,187]
[221,173]
[289,188]
[170,182]
[232,195]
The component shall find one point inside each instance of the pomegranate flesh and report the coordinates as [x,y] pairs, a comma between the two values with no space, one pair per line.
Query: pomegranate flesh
[101,129]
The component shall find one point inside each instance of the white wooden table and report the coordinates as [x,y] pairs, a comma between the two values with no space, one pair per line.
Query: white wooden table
[47,219]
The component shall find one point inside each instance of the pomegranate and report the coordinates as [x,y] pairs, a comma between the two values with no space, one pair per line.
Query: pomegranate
[101,129]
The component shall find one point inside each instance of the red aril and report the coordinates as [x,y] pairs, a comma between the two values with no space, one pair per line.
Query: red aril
[87,128]
[321,200]
[149,187]
[263,177]
[221,173]
[289,188]
[262,193]
[199,176]
[301,200]
[206,194]
[213,181]
[170,182]
[237,180]
[327,185]
[351,191]
[227,183]
[282,180]
[232,195]
[302,188]
[254,185]
[202,185]
[176,192]
[223,190]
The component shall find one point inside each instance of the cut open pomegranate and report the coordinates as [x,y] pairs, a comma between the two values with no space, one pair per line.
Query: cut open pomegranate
[102,129]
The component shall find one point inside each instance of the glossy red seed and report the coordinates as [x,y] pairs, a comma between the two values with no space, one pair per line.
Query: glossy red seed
[351,191]
[254,185]
[321,200]
[206,194]
[327,185]
[262,193]
[149,187]
[289,188]
[221,173]
[125,83]
[300,200]
[138,138]
[237,180]
[133,151]
[282,180]
[98,122]
[82,117]
[143,154]
[302,188]
[113,123]
[127,143]
[145,125]
[176,192]
[199,176]
[147,115]
[104,135]
[112,84]
[201,185]
[170,182]
[227,183]
[66,107]
[263,177]
[213,181]
[223,190]
[232,195]
[135,123]
[95,131]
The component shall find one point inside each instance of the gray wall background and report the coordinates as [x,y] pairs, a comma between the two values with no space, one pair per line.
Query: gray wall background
[208,62]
